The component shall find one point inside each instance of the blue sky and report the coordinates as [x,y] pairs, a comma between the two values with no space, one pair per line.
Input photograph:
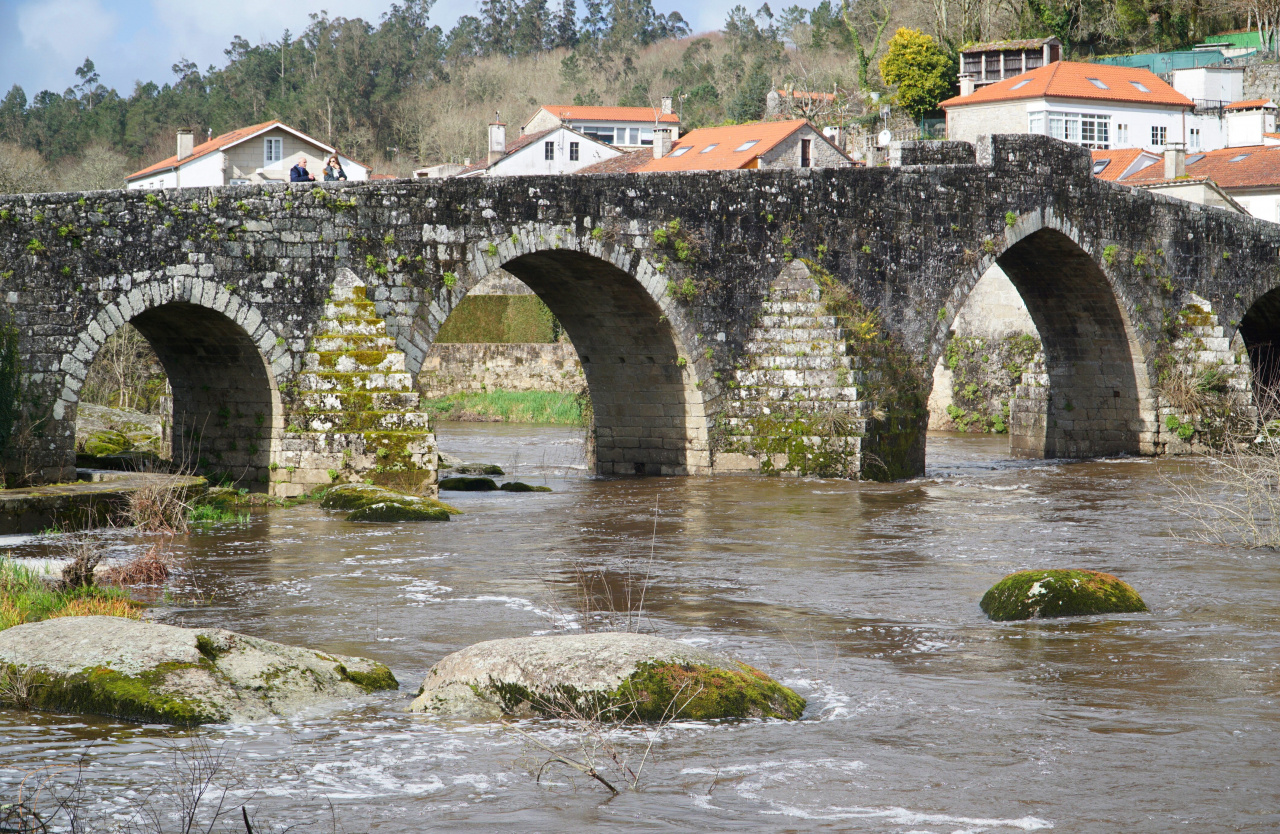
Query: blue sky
[43,41]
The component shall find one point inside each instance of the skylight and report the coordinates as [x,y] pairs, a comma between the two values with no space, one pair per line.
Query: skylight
[1194,158]
[1024,82]
[1097,82]
[746,146]
[710,148]
[1141,87]
[1100,166]
[1239,158]
[680,151]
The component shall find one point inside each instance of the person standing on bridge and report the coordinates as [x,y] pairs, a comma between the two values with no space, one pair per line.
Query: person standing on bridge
[299,172]
[333,170]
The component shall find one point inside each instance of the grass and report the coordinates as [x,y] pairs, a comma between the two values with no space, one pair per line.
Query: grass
[212,514]
[508,407]
[26,598]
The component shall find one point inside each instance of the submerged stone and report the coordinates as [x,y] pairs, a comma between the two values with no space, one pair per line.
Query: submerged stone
[156,673]
[613,676]
[518,486]
[374,503]
[468,484]
[1032,594]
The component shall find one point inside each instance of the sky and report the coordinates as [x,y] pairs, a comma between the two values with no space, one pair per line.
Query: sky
[42,42]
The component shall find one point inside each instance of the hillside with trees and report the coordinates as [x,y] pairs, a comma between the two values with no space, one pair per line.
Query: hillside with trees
[403,92]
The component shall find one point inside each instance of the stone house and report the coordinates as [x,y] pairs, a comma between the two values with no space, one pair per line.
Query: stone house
[255,154]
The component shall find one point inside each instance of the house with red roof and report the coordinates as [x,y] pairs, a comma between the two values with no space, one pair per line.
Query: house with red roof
[1245,179]
[255,154]
[556,150]
[794,143]
[628,128]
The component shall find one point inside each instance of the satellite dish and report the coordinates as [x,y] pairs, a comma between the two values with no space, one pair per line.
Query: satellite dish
[885,137]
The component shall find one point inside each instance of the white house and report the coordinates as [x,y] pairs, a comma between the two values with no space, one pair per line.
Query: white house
[629,128]
[257,154]
[557,150]
[1245,178]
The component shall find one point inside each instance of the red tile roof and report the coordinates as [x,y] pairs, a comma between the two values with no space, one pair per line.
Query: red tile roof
[1254,166]
[1251,104]
[1067,79]
[721,148]
[626,164]
[580,113]
[1119,161]
[226,140]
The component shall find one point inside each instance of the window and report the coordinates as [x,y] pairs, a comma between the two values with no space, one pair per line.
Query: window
[603,134]
[1193,139]
[573,151]
[1035,123]
[710,148]
[1086,129]
[1241,158]
[746,146]
[1122,134]
[1024,82]
[1142,88]
[1192,160]
[646,136]
[680,151]
[806,153]
[1158,135]
[635,136]
[1097,82]
[1100,165]
[272,151]
[548,150]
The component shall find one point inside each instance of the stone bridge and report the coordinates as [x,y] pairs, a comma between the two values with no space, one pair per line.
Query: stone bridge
[775,321]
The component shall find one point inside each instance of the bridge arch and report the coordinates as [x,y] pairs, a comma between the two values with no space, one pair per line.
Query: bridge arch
[1095,396]
[217,352]
[637,347]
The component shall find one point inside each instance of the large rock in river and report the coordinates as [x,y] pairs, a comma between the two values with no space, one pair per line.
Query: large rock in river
[618,676]
[374,503]
[165,674]
[1059,593]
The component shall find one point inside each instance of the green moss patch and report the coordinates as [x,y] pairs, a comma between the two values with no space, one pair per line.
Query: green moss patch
[704,693]
[1059,593]
[468,484]
[103,691]
[518,486]
[389,511]
[361,496]
[378,678]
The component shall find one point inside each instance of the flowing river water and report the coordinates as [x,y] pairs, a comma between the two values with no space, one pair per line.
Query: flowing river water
[922,716]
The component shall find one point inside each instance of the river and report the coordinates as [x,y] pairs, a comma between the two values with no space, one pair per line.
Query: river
[922,717]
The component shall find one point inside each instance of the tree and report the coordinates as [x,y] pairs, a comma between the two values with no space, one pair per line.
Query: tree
[749,102]
[22,171]
[856,26]
[919,69]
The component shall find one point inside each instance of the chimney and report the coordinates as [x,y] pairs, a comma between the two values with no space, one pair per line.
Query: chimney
[666,105]
[497,140]
[661,142]
[1175,160]
[186,141]
[967,85]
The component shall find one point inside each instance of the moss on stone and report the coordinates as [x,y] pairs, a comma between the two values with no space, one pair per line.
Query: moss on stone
[1059,593]
[392,511]
[379,678]
[103,691]
[468,484]
[362,496]
[704,693]
[518,486]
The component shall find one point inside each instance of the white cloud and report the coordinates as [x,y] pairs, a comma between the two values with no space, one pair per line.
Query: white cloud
[69,29]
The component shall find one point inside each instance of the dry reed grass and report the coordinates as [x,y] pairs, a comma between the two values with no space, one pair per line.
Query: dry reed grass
[151,568]
[158,507]
[99,606]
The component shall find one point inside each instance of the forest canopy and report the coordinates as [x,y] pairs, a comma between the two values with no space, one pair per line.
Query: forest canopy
[403,91]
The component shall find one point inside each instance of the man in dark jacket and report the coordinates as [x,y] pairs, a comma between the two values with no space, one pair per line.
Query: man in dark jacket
[299,173]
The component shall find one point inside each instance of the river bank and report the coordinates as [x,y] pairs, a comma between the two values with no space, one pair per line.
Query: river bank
[922,715]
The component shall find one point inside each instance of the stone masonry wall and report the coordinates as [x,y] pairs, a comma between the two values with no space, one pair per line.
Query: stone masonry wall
[453,368]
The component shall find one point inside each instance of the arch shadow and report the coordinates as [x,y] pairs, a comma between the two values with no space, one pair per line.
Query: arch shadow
[1260,331]
[226,405]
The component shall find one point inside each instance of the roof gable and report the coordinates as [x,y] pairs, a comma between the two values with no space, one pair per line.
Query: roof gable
[1254,166]
[725,148]
[1068,79]
[229,140]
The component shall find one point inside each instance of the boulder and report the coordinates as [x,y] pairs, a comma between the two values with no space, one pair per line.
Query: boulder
[518,486]
[457,464]
[468,484]
[373,503]
[154,673]
[107,442]
[1059,593]
[616,676]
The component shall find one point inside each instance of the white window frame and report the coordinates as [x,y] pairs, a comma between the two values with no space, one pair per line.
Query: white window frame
[1159,136]
[549,151]
[573,151]
[1088,130]
[1193,139]
[270,144]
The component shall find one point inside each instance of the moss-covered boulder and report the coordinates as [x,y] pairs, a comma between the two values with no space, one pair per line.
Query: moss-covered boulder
[1030,594]
[468,484]
[373,503]
[519,486]
[164,674]
[107,442]
[615,676]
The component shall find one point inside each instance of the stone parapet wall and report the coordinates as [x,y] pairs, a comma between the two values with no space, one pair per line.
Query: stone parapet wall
[455,368]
